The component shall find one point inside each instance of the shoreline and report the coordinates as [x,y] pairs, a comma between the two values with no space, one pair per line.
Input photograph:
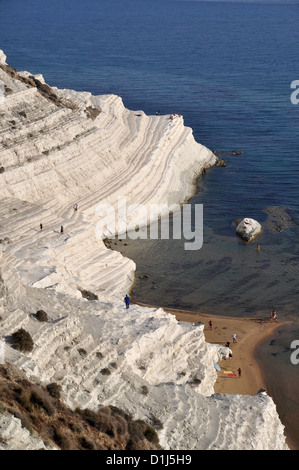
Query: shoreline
[250,333]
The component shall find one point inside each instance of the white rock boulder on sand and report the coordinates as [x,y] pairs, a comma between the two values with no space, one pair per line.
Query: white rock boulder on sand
[248,229]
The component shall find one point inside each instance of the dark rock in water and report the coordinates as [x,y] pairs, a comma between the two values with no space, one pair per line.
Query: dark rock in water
[278,219]
[220,162]
[228,153]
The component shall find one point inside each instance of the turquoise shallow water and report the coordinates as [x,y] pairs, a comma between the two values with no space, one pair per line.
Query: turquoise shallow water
[227,68]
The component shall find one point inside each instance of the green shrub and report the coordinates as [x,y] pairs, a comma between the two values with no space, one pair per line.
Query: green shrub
[132,444]
[22,340]
[156,423]
[82,352]
[151,435]
[41,316]
[85,443]
[88,295]
[54,390]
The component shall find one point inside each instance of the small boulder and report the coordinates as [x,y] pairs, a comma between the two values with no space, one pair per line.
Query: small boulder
[248,229]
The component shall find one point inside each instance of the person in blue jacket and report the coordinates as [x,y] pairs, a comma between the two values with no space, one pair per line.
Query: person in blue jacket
[127,301]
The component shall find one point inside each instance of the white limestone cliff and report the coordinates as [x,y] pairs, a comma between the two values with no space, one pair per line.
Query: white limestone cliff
[2,57]
[59,148]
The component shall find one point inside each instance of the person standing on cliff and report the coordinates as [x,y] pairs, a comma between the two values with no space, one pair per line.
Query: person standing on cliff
[127,301]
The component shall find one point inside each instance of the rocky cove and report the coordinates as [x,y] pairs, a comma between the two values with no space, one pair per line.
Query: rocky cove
[60,148]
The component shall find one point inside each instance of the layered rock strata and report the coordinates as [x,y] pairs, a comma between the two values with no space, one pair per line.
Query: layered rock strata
[59,148]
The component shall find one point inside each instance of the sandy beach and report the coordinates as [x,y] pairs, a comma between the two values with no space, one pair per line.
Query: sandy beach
[250,332]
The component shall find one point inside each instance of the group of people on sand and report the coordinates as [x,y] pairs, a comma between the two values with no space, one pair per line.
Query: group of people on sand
[61,227]
[227,345]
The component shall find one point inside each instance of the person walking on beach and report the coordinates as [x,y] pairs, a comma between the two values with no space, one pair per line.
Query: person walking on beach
[61,229]
[271,314]
[211,324]
[41,226]
[239,371]
[75,207]
[127,301]
[234,338]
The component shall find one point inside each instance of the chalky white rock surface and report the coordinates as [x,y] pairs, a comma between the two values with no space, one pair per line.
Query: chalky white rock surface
[248,229]
[142,360]
[15,437]
[2,57]
[54,157]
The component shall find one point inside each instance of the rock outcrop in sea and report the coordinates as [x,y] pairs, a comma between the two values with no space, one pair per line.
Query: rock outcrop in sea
[248,229]
[59,148]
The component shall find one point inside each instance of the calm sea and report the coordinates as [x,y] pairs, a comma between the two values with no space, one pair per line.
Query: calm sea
[227,68]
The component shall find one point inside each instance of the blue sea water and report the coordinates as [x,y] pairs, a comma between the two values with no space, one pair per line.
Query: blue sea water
[227,67]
